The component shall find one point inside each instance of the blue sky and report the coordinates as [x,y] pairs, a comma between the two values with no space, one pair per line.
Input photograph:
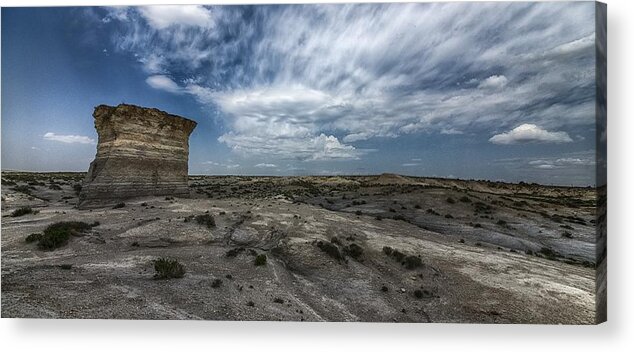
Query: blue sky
[498,91]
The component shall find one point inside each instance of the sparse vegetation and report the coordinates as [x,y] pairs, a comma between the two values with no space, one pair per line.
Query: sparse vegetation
[206,219]
[412,262]
[23,211]
[58,234]
[354,250]
[465,199]
[33,237]
[451,200]
[260,260]
[330,249]
[168,269]
[119,205]
[216,283]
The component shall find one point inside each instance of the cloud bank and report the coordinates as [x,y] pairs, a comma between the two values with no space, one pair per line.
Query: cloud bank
[311,82]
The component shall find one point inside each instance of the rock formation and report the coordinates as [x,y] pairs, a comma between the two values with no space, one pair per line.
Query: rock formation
[141,152]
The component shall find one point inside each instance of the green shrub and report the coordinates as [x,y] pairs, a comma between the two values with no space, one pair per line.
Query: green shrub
[354,250]
[330,249]
[22,211]
[260,260]
[58,234]
[168,268]
[33,237]
[412,262]
[23,189]
[205,219]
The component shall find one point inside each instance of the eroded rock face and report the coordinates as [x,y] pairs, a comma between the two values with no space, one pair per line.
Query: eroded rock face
[141,152]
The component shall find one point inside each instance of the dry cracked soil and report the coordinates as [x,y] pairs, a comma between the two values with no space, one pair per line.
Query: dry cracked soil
[385,248]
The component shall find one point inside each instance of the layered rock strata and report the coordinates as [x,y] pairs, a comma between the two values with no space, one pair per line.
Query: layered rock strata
[141,152]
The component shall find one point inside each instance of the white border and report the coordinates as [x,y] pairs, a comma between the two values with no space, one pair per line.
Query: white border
[615,335]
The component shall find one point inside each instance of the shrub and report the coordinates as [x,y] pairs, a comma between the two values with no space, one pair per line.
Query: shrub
[354,250]
[77,188]
[417,206]
[216,283]
[250,304]
[412,262]
[330,249]
[501,223]
[418,294]
[33,237]
[260,260]
[22,211]
[66,266]
[205,219]
[23,189]
[451,200]
[387,250]
[448,216]
[566,234]
[358,212]
[278,300]
[168,268]
[465,199]
[398,255]
[384,288]
[54,187]
[119,205]
[548,253]
[461,240]
[234,252]
[58,234]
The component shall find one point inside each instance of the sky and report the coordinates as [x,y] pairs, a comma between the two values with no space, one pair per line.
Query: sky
[495,91]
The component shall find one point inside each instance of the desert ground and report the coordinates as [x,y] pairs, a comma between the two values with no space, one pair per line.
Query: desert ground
[383,248]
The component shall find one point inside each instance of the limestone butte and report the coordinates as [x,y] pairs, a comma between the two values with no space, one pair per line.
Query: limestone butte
[141,152]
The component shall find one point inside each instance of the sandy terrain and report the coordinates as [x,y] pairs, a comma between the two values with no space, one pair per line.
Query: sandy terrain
[489,252]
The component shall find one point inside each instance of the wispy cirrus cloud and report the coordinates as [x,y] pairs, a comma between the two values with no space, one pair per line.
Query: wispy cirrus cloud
[68,138]
[310,82]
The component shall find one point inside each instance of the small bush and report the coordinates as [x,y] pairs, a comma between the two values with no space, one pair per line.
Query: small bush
[260,260]
[354,250]
[548,253]
[23,189]
[398,255]
[566,234]
[461,240]
[234,252]
[77,188]
[417,206]
[448,216]
[418,294]
[119,205]
[58,234]
[384,288]
[330,249]
[216,283]
[501,223]
[412,262]
[451,200]
[205,219]
[278,300]
[358,212]
[250,304]
[54,187]
[168,269]
[66,266]
[387,250]
[33,237]
[465,199]
[22,211]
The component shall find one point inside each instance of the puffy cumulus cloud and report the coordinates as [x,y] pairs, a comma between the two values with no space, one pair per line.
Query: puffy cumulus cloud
[162,82]
[529,133]
[68,138]
[495,81]
[288,79]
[163,16]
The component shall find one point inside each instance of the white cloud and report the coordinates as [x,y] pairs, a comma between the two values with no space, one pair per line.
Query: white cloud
[410,164]
[360,72]
[527,133]
[163,16]
[70,139]
[162,82]
[493,82]
[264,165]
